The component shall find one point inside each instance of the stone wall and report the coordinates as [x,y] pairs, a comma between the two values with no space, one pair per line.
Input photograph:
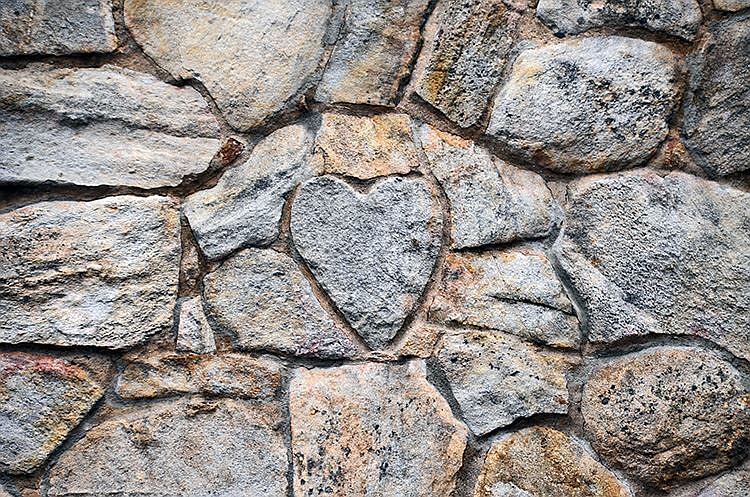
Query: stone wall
[392,248]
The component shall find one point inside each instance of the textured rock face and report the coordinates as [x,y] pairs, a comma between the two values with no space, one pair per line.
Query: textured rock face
[101,126]
[595,104]
[244,208]
[675,17]
[372,253]
[101,273]
[644,254]
[543,462]
[194,333]
[376,44]
[668,414]
[42,398]
[276,48]
[732,484]
[490,201]
[497,378]
[731,5]
[56,27]
[262,298]
[372,430]
[514,291]
[226,447]
[717,108]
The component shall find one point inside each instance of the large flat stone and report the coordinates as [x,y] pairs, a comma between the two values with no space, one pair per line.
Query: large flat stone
[101,126]
[372,430]
[102,273]
[659,255]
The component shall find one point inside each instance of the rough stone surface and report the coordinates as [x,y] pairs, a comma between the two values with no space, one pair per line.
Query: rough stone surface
[498,379]
[366,147]
[4,493]
[731,5]
[733,484]
[376,44]
[420,340]
[717,105]
[42,398]
[372,253]
[194,333]
[587,105]
[675,17]
[200,449]
[244,208]
[101,126]
[253,57]
[543,462]
[265,302]
[372,430]
[653,255]
[465,58]
[490,201]
[515,291]
[56,27]
[668,414]
[102,273]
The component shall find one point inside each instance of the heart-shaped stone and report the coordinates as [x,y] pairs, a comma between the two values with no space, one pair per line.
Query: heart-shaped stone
[372,253]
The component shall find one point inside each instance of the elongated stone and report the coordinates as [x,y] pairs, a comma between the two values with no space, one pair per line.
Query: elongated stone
[731,6]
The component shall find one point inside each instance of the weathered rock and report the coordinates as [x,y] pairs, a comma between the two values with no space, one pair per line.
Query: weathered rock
[372,430]
[244,208]
[200,449]
[497,378]
[194,333]
[262,298]
[162,374]
[4,493]
[542,462]
[731,5]
[668,414]
[376,44]
[514,291]
[587,105]
[680,18]
[717,105]
[276,48]
[56,27]
[652,255]
[102,273]
[490,201]
[463,61]
[101,126]
[366,147]
[733,484]
[42,398]
[420,340]
[372,253]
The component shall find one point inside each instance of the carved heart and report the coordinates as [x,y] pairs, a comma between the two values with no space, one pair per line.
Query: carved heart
[372,253]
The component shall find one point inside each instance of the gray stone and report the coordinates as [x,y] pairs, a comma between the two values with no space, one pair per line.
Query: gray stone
[56,27]
[372,430]
[101,126]
[194,333]
[680,18]
[376,45]
[498,379]
[42,398]
[372,253]
[514,291]
[668,414]
[244,208]
[587,105]
[733,484]
[731,5]
[717,104]
[196,448]
[265,302]
[4,493]
[652,255]
[253,57]
[490,201]
[102,273]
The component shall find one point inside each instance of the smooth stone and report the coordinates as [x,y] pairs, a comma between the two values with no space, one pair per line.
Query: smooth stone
[587,105]
[101,126]
[373,252]
[372,430]
[194,333]
[102,273]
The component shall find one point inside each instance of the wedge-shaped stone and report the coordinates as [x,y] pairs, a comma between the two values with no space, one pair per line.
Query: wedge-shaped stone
[101,126]
[102,273]
[194,333]
[372,430]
